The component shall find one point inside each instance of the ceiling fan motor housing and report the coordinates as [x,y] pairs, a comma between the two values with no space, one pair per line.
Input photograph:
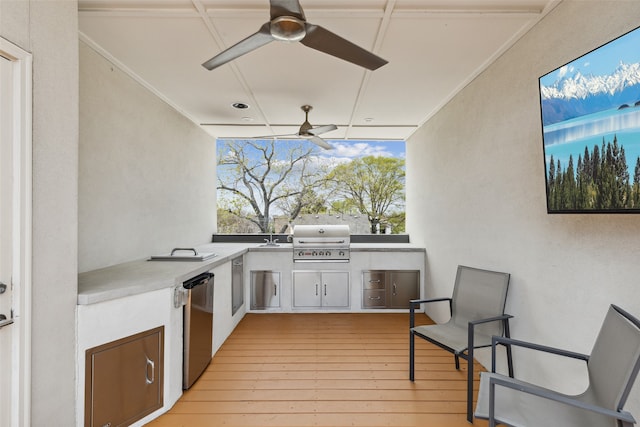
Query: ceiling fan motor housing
[306,126]
[287,28]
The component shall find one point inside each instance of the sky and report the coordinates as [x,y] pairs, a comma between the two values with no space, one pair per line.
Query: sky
[351,149]
[598,62]
[347,150]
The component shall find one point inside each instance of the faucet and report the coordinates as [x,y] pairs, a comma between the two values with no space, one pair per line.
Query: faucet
[271,241]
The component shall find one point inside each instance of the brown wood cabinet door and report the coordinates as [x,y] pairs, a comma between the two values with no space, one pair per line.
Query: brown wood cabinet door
[124,379]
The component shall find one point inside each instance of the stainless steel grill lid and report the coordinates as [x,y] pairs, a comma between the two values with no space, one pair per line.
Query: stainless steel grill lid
[321,243]
[326,235]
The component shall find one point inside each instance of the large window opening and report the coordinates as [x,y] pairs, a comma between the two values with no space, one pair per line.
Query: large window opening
[269,185]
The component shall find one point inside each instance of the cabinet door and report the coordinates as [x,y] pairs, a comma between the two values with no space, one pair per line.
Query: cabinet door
[403,286]
[307,288]
[237,285]
[265,289]
[124,379]
[335,289]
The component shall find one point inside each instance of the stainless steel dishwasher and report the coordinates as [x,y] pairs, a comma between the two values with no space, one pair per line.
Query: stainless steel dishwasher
[198,327]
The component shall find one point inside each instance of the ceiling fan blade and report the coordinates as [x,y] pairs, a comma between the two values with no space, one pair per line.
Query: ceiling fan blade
[320,142]
[315,139]
[254,41]
[286,135]
[322,129]
[286,8]
[325,41]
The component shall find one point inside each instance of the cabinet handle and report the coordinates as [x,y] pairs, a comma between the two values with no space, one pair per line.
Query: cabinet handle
[316,289]
[394,289]
[325,289]
[275,290]
[376,298]
[374,281]
[4,321]
[153,371]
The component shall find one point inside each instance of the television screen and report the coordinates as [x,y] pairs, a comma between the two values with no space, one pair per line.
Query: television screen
[590,111]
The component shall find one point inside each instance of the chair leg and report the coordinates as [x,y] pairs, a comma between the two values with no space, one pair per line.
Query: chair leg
[509,360]
[411,356]
[507,333]
[470,385]
[457,359]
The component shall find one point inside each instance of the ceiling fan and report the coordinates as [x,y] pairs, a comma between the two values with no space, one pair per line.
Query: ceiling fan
[289,24]
[311,133]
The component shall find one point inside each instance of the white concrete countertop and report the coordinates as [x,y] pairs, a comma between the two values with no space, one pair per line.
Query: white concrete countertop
[141,276]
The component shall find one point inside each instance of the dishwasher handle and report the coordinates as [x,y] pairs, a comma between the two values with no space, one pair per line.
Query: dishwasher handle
[201,279]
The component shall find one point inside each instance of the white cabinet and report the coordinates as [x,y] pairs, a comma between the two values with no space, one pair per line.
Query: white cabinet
[326,289]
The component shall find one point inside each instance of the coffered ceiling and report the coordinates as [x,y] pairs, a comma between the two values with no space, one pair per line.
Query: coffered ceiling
[434,49]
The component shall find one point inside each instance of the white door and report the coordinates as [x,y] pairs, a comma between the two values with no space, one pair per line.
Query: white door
[15,233]
[6,318]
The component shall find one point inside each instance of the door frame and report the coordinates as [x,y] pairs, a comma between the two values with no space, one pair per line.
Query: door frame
[21,116]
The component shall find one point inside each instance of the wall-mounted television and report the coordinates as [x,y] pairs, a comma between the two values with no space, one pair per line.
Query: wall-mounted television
[590,110]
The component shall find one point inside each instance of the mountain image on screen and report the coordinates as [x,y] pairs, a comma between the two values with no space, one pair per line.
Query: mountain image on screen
[576,94]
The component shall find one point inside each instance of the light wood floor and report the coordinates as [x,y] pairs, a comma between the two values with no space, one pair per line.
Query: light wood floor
[324,370]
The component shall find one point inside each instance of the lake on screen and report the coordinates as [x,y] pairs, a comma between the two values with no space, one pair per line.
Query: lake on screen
[570,137]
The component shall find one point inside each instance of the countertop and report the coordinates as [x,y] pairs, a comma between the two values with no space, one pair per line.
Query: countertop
[141,276]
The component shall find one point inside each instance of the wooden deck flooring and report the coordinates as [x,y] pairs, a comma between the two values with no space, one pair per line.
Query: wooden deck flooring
[324,370]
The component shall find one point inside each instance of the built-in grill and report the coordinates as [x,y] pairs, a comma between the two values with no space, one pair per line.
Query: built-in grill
[321,243]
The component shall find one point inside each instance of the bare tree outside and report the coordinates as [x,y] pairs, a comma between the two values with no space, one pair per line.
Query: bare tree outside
[256,178]
[260,181]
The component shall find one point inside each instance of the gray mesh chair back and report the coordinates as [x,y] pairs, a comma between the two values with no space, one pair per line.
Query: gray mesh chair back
[614,361]
[612,369]
[479,294]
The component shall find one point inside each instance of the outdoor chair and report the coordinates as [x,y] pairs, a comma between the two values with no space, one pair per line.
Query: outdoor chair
[612,368]
[477,313]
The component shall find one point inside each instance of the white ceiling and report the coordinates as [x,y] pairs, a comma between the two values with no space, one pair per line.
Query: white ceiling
[434,48]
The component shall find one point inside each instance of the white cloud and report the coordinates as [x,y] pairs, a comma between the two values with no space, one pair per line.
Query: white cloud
[359,149]
[563,71]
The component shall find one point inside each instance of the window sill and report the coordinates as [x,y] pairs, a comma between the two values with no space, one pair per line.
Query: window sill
[355,238]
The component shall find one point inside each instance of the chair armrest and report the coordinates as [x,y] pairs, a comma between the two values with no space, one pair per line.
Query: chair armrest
[471,329]
[414,303]
[533,346]
[551,395]
[420,301]
[491,319]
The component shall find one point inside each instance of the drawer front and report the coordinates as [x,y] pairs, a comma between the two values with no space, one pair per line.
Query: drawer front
[373,280]
[374,298]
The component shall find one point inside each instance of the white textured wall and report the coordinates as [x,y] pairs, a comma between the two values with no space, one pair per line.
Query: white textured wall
[49,30]
[147,175]
[476,186]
